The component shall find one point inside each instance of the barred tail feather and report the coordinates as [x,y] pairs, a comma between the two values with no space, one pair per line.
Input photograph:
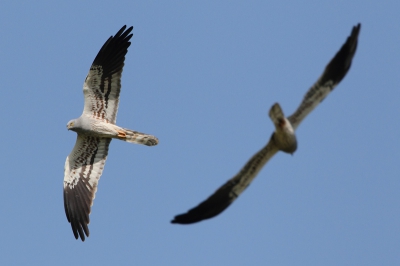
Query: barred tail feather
[138,137]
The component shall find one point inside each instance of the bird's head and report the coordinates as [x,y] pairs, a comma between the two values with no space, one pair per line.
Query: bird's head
[71,124]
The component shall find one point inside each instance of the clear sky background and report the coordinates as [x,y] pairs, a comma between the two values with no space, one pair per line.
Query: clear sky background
[201,76]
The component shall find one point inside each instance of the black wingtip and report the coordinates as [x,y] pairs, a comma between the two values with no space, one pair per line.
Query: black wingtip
[211,207]
[199,214]
[202,212]
[112,54]
[76,211]
[338,67]
[357,28]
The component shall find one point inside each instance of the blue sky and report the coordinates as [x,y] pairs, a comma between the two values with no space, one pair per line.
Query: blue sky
[201,76]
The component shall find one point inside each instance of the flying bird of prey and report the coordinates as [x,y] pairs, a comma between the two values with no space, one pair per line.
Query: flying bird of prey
[96,128]
[283,139]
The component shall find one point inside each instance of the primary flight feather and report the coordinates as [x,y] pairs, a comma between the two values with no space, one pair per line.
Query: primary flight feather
[96,128]
[283,139]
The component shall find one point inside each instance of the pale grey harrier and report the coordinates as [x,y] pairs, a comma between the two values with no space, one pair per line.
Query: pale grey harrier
[282,139]
[96,128]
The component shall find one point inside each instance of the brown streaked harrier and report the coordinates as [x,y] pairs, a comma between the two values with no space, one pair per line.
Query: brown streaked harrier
[283,139]
[96,128]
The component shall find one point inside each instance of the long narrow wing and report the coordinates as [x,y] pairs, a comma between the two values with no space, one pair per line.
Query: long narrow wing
[225,195]
[230,191]
[82,172]
[333,74]
[103,83]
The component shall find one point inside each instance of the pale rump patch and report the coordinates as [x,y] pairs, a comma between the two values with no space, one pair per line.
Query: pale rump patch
[121,134]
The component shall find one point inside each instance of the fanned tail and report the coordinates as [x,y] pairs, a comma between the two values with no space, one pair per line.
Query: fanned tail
[137,137]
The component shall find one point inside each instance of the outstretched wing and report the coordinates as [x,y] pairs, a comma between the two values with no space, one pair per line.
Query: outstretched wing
[333,74]
[82,172]
[103,83]
[227,193]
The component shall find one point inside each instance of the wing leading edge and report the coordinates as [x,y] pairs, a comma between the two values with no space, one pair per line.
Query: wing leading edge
[226,194]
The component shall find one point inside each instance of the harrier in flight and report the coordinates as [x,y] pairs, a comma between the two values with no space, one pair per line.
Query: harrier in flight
[96,128]
[283,139]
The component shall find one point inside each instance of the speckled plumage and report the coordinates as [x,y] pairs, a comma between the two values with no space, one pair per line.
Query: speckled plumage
[283,138]
[96,128]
